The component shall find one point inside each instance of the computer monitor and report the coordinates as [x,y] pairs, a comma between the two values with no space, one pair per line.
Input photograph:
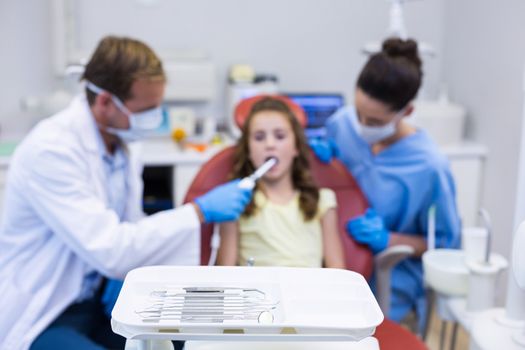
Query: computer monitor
[318,107]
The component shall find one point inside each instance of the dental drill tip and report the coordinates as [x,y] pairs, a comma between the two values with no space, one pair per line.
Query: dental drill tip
[273,159]
[263,169]
[249,181]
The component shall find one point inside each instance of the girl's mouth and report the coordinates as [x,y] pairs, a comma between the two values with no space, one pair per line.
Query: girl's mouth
[276,161]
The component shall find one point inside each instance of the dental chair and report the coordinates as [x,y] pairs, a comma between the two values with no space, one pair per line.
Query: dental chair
[351,202]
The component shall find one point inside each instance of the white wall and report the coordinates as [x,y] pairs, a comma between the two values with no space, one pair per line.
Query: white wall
[25,59]
[484,59]
[311,45]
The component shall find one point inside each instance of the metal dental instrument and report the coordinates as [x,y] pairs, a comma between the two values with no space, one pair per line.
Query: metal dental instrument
[249,181]
[208,305]
[207,291]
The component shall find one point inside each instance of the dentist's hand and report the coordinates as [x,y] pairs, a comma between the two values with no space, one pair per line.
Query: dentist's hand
[369,229]
[325,150]
[224,203]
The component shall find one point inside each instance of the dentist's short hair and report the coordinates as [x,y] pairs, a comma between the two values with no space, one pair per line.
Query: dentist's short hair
[118,62]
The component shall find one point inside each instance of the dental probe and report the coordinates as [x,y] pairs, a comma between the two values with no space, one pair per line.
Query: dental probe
[249,181]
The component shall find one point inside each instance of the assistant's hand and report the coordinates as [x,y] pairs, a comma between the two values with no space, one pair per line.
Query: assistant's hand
[369,229]
[224,203]
[325,150]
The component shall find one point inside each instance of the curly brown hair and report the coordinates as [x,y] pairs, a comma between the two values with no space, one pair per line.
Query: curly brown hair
[302,179]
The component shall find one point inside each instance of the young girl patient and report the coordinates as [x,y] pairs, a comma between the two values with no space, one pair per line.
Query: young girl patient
[290,222]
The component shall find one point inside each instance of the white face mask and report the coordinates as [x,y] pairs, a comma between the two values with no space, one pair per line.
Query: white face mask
[141,124]
[374,134]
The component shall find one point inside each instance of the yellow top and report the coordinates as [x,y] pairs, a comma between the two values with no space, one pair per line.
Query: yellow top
[278,235]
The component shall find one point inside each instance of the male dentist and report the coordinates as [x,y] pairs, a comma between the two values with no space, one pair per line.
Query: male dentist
[72,212]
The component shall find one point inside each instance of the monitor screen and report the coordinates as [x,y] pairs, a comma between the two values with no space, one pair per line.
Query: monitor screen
[318,107]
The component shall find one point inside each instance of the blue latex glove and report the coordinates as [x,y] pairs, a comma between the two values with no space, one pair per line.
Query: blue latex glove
[110,295]
[369,229]
[325,150]
[225,202]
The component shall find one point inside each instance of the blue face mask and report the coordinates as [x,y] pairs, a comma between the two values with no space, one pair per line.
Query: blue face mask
[141,124]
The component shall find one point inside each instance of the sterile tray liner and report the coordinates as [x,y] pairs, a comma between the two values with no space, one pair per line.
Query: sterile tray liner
[314,304]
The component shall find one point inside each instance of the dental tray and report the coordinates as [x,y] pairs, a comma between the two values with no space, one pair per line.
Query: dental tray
[245,303]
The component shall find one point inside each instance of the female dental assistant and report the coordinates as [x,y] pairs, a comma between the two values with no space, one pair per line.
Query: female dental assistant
[398,167]
[72,210]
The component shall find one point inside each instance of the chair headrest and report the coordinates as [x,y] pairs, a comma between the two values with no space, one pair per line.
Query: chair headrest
[245,106]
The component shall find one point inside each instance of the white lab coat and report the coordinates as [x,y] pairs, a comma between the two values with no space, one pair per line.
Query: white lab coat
[57,227]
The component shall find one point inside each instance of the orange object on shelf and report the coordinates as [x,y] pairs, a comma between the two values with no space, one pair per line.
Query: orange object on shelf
[199,147]
[178,134]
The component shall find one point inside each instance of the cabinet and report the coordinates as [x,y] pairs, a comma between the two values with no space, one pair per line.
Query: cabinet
[184,165]
[467,163]
[158,189]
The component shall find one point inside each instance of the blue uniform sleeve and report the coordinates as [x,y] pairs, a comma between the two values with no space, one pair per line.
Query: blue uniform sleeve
[341,128]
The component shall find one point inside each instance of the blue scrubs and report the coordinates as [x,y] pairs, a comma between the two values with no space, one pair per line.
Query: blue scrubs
[401,183]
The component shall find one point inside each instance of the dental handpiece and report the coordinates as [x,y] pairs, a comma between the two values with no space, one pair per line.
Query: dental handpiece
[249,181]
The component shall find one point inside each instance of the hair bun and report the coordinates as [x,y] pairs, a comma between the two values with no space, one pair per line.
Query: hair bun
[396,47]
